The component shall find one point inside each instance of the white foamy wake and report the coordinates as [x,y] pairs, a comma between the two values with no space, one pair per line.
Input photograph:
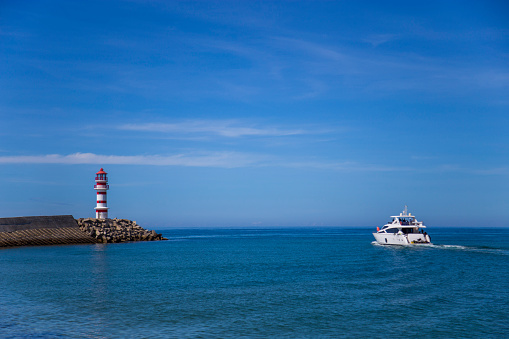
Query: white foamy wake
[501,251]
[451,247]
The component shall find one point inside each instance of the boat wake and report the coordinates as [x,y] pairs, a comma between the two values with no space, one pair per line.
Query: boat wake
[450,247]
[478,249]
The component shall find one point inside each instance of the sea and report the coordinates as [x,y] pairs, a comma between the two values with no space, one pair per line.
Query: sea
[327,282]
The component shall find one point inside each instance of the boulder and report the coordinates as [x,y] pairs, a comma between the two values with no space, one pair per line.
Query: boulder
[116,230]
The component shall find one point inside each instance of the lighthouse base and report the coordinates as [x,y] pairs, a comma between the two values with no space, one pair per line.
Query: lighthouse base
[101,212]
[101,215]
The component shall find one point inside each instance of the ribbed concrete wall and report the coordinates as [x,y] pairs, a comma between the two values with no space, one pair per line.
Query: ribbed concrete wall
[30,223]
[42,230]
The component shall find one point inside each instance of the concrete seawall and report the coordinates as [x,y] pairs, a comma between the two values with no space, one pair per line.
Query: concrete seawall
[64,229]
[42,230]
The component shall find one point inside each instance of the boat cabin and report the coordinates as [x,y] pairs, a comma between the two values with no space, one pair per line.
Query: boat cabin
[404,222]
[393,228]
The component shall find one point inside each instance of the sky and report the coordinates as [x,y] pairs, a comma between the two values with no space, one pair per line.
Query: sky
[256,113]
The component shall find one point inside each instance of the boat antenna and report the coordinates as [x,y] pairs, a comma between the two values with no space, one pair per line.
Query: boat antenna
[406,210]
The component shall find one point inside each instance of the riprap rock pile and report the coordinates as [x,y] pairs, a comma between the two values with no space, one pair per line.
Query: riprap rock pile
[116,230]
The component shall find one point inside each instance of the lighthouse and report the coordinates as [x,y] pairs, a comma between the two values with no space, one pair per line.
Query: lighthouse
[101,186]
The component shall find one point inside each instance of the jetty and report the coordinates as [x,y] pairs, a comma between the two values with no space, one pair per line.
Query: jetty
[65,230]
[116,230]
[42,230]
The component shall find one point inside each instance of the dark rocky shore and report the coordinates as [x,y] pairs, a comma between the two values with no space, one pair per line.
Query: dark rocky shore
[116,230]
[65,230]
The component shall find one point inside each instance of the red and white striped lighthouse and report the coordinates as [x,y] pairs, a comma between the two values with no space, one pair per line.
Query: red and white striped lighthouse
[101,186]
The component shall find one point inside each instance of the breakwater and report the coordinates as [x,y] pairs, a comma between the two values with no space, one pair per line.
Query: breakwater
[65,230]
[116,230]
[42,230]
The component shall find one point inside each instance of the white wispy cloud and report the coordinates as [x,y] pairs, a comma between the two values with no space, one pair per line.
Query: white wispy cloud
[379,39]
[307,47]
[231,160]
[213,159]
[224,128]
[346,166]
[493,171]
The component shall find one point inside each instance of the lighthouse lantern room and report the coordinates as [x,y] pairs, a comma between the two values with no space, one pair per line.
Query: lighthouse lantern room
[101,186]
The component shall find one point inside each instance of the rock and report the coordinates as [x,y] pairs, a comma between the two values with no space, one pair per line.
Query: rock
[116,230]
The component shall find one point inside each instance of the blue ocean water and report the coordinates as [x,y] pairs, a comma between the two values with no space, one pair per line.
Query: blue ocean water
[260,283]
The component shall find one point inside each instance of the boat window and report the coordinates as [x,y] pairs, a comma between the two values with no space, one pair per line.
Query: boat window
[392,230]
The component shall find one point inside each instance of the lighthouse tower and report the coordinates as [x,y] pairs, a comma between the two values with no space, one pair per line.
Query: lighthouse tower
[101,186]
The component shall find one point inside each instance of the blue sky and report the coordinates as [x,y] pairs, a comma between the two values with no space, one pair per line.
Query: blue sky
[243,113]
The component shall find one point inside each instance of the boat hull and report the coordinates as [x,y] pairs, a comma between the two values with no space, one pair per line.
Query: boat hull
[401,239]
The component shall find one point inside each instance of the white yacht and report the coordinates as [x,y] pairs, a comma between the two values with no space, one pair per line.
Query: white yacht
[404,229]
